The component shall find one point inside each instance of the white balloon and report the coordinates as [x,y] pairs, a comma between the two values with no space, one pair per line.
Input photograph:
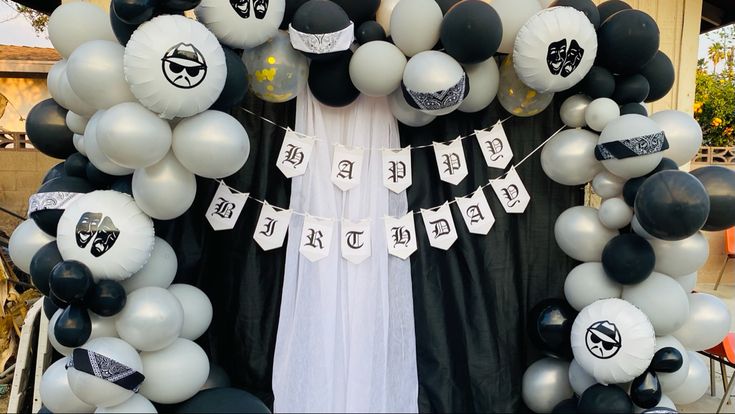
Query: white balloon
[165,190]
[581,235]
[197,310]
[484,81]
[56,395]
[405,113]
[682,132]
[695,384]
[95,73]
[383,15]
[680,257]
[97,391]
[53,80]
[546,384]
[25,241]
[132,136]
[687,282]
[101,327]
[61,91]
[108,232]
[79,144]
[135,404]
[94,152]
[76,123]
[211,144]
[630,126]
[74,23]
[573,109]
[429,73]
[579,378]
[151,319]
[415,25]
[175,373]
[376,68]
[588,283]
[569,157]
[175,66]
[159,271]
[615,213]
[238,28]
[663,301]
[671,380]
[600,112]
[607,185]
[513,14]
[708,322]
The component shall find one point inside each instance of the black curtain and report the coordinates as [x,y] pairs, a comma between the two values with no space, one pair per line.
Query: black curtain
[470,303]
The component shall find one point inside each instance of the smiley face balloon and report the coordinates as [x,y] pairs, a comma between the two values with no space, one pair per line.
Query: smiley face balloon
[276,71]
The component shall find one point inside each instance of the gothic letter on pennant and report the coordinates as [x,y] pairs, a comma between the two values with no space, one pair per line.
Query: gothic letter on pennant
[401,236]
[346,167]
[316,238]
[495,146]
[451,161]
[225,208]
[476,212]
[355,240]
[397,169]
[270,231]
[511,192]
[440,227]
[295,154]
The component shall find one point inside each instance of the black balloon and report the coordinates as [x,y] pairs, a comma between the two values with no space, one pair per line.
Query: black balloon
[628,259]
[672,205]
[605,399]
[47,219]
[598,83]
[106,298]
[630,188]
[49,307]
[630,89]
[123,184]
[633,108]
[42,263]
[46,129]
[222,400]
[133,12]
[122,30]
[660,75]
[100,179]
[667,359]
[627,41]
[568,406]
[76,165]
[550,325]
[58,302]
[585,6]
[359,10]
[645,390]
[719,182]
[320,17]
[471,31]
[58,170]
[73,327]
[445,5]
[291,7]
[236,83]
[330,81]
[369,32]
[70,280]
[610,7]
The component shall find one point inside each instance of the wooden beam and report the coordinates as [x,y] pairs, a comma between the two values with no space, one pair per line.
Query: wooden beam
[712,14]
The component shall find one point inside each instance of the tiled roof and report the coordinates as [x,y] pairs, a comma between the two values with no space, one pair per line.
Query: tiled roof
[27,53]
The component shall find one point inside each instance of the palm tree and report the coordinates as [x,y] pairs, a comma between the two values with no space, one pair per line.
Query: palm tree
[716,54]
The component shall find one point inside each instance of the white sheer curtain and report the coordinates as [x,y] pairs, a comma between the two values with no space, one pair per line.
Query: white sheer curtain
[345,339]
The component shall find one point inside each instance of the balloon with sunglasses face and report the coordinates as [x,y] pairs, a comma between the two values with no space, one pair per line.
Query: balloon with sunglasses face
[242,24]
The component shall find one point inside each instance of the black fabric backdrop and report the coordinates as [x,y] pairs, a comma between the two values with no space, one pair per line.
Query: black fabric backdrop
[470,303]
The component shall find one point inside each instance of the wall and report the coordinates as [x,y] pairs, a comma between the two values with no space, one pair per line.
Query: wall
[23,94]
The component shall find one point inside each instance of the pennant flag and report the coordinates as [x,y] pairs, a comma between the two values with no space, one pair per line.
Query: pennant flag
[476,212]
[495,147]
[450,161]
[397,169]
[355,240]
[401,236]
[295,154]
[346,167]
[225,208]
[271,228]
[511,192]
[316,238]
[440,227]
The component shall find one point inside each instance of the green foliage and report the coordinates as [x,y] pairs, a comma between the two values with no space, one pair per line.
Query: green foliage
[714,101]
[38,20]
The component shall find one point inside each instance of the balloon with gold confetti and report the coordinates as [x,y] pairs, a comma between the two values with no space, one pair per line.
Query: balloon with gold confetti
[276,71]
[516,97]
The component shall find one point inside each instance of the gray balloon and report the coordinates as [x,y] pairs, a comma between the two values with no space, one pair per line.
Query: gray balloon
[607,185]
[662,299]
[484,78]
[572,111]
[581,235]
[696,383]
[546,384]
[579,378]
[25,241]
[615,213]
[165,190]
[405,113]
[151,319]
[376,68]
[569,157]
[276,71]
[56,394]
[680,257]
[588,283]
[707,325]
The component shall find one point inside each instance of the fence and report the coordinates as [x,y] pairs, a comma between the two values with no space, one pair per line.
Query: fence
[14,141]
[715,155]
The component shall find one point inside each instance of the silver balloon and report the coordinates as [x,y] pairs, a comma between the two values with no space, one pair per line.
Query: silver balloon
[517,98]
[405,113]
[695,384]
[434,72]
[546,384]
[588,283]
[164,190]
[60,90]
[56,395]
[680,257]
[75,23]
[217,378]
[95,154]
[376,68]
[76,123]
[415,25]
[663,301]
[175,373]
[79,144]
[276,71]
[197,310]
[484,80]
[25,241]
[151,319]
[135,404]
[687,282]
[579,378]
[572,111]
[159,271]
[581,235]
[615,213]
[600,112]
[672,380]
[682,132]
[627,127]
[569,157]
[708,322]
[513,14]
[95,73]
[607,185]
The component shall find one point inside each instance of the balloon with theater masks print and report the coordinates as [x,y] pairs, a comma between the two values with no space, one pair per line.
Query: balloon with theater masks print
[241,24]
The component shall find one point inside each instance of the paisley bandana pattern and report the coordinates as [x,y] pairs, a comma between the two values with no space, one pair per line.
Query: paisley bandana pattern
[57,200]
[632,147]
[432,101]
[321,43]
[105,368]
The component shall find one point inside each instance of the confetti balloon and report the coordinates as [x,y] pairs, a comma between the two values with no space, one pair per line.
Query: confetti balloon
[276,71]
[517,98]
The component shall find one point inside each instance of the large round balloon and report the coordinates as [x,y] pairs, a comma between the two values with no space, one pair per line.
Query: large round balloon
[49,202]
[60,90]
[628,259]
[681,257]
[631,187]
[175,66]
[719,182]
[517,98]
[222,400]
[672,205]
[42,263]
[321,30]
[135,404]
[484,81]
[609,7]
[708,323]
[236,83]
[175,373]
[165,190]
[598,83]
[197,310]
[56,394]
[434,83]
[70,280]
[72,24]
[545,384]
[276,71]
[630,89]
[569,157]
[555,49]
[376,68]
[330,83]
[549,325]
[46,129]
[660,75]
[95,73]
[588,283]
[605,399]
[241,24]
[415,25]
[471,31]
[513,14]
[581,235]
[628,40]
[160,269]
[25,242]
[683,133]
[695,384]
[106,231]
[662,299]
[613,340]
[94,152]
[631,145]
[151,319]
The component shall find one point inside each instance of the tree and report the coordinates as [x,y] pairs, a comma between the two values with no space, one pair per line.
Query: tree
[37,19]
[714,100]
[716,53]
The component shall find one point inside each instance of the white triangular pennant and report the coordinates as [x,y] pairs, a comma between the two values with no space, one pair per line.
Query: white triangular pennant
[397,169]
[476,212]
[316,238]
[355,239]
[271,228]
[295,154]
[400,234]
[225,208]
[346,167]
[495,147]
[440,227]
[511,192]
[450,161]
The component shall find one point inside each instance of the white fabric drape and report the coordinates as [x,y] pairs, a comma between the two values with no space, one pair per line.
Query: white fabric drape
[345,339]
